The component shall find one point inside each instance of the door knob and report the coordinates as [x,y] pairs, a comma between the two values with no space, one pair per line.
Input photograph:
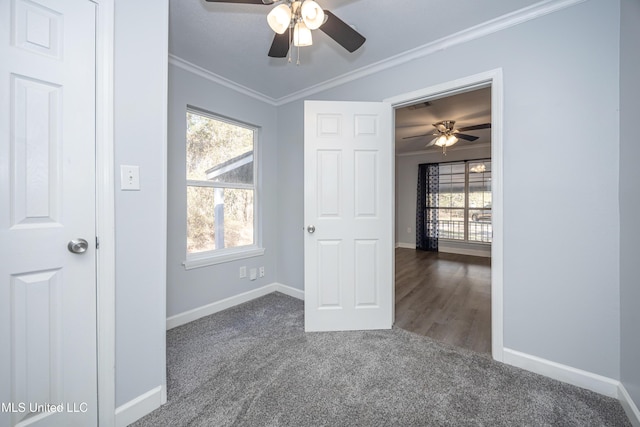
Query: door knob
[78,246]
[311,229]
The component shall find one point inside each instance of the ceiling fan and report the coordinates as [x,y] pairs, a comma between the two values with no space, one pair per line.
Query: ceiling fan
[293,20]
[446,134]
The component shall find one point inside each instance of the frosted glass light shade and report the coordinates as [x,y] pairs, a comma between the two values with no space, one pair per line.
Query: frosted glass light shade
[446,141]
[279,18]
[312,14]
[302,35]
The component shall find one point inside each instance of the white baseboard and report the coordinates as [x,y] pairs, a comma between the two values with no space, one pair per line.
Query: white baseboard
[214,307]
[405,245]
[288,290]
[466,251]
[630,408]
[590,381]
[457,249]
[142,405]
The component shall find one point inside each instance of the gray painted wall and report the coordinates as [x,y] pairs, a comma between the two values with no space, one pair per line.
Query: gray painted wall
[291,188]
[189,289]
[140,135]
[406,185]
[630,197]
[561,273]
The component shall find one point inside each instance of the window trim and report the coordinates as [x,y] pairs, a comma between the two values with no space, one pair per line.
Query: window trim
[224,255]
[467,208]
[203,259]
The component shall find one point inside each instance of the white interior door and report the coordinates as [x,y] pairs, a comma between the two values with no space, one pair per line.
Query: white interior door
[348,209]
[47,199]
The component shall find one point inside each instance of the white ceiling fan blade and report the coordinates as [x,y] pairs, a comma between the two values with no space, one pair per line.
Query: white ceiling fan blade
[432,142]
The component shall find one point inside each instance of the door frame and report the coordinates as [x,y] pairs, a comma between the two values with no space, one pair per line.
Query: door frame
[493,79]
[105,211]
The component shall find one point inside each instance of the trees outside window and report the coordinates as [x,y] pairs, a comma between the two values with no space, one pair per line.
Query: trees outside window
[221,190]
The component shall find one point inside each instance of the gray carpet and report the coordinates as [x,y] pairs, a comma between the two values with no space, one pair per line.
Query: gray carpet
[253,365]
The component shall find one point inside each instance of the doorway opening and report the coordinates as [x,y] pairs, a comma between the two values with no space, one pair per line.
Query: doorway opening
[453,292]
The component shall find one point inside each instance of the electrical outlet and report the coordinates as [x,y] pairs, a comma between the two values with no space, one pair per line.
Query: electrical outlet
[243,272]
[129,177]
[253,274]
[261,272]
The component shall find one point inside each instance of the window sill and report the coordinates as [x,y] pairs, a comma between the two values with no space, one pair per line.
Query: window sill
[204,260]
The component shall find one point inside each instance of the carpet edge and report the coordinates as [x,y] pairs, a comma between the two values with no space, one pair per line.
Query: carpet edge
[223,304]
[564,373]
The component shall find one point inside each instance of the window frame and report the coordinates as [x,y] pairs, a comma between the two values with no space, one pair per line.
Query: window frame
[466,209]
[223,255]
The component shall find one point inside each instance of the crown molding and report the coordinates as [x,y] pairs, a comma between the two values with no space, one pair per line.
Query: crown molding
[492,26]
[215,78]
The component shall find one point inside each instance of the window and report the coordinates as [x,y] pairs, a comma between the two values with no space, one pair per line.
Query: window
[221,190]
[464,201]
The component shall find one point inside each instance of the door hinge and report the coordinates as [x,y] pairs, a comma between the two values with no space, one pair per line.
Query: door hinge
[97,243]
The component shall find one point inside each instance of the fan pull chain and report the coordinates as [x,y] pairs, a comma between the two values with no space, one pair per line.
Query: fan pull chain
[289,50]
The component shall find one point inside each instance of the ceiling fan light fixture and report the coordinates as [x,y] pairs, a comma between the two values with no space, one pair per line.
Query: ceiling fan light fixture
[479,168]
[279,18]
[446,140]
[312,14]
[302,35]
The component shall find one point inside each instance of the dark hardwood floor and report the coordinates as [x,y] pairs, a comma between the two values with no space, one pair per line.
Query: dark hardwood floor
[445,296]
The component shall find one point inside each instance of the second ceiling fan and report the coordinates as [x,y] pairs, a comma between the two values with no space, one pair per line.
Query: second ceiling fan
[293,20]
[446,134]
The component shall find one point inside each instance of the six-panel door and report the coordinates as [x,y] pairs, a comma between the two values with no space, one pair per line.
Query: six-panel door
[47,198]
[349,200]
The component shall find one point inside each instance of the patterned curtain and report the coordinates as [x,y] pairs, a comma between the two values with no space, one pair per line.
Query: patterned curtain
[426,207]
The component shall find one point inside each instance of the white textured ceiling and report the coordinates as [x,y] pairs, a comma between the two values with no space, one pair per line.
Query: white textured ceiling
[232,40]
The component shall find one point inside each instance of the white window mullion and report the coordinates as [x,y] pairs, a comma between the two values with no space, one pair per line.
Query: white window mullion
[218,209]
[466,201]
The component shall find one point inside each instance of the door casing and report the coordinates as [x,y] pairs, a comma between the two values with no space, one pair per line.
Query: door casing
[492,78]
[105,211]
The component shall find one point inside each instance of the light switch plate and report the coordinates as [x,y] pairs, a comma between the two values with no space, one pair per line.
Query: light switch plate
[129,177]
